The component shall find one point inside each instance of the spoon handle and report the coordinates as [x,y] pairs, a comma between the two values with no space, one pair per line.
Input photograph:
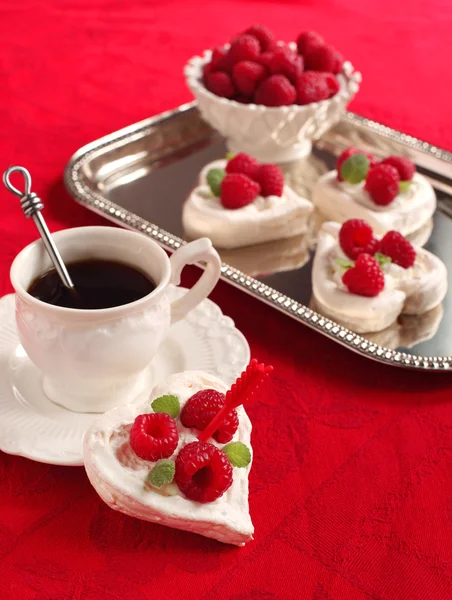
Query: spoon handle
[49,244]
[31,206]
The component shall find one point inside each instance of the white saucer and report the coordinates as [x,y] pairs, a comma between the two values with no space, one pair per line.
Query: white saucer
[33,426]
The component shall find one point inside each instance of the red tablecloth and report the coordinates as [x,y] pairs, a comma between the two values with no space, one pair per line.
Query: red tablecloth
[351,490]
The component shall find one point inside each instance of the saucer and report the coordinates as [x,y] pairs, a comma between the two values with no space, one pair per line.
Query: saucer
[34,427]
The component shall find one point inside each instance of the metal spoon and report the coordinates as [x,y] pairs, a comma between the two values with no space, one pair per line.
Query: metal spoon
[32,205]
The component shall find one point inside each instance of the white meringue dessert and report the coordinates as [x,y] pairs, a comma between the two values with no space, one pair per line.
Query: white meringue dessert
[409,211]
[411,291]
[263,220]
[120,477]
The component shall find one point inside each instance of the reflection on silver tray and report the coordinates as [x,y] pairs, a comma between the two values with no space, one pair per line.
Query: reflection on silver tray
[141,175]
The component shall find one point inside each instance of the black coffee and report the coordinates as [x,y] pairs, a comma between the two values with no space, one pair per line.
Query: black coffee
[98,284]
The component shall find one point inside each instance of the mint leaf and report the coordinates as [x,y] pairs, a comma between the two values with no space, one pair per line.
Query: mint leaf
[161,473]
[239,455]
[355,168]
[404,186]
[214,179]
[382,259]
[167,404]
[345,264]
[229,155]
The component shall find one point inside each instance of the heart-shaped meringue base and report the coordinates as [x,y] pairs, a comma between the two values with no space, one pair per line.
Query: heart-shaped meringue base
[412,291]
[120,477]
[409,213]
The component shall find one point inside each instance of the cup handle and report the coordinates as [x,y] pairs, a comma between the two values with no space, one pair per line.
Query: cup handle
[189,254]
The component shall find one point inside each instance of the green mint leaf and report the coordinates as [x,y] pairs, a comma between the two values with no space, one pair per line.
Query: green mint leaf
[355,168]
[229,155]
[167,404]
[161,473]
[239,455]
[382,259]
[404,186]
[345,264]
[214,179]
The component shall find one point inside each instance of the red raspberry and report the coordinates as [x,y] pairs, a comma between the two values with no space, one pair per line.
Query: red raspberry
[247,75]
[265,59]
[242,99]
[207,68]
[242,163]
[356,237]
[271,180]
[382,183]
[332,83]
[201,408]
[154,436]
[275,91]
[263,35]
[308,40]
[220,83]
[218,56]
[338,62]
[238,190]
[349,152]
[244,47]
[365,278]
[404,166]
[203,472]
[321,58]
[284,61]
[312,87]
[400,250]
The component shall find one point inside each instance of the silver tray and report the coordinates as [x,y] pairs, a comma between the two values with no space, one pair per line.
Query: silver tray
[139,177]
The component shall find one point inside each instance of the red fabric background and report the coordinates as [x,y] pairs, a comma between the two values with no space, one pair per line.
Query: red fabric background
[351,491]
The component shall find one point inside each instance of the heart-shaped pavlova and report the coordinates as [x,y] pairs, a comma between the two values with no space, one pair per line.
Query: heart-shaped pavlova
[182,459]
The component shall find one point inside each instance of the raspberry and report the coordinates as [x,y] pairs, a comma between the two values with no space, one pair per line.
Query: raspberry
[201,408]
[242,163]
[265,59]
[365,278]
[207,68]
[220,83]
[400,250]
[244,47]
[154,436]
[308,40]
[356,237]
[404,166]
[312,87]
[203,472]
[218,56]
[247,75]
[275,91]
[332,83]
[285,62]
[349,152]
[382,183]
[321,58]
[238,190]
[271,180]
[242,99]
[338,62]
[264,36]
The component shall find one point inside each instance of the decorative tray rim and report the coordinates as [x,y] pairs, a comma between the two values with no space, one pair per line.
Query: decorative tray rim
[358,344]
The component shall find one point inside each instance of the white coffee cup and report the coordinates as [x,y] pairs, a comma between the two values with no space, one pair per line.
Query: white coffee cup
[94,360]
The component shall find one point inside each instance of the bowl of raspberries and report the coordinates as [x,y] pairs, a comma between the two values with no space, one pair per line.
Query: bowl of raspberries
[270,99]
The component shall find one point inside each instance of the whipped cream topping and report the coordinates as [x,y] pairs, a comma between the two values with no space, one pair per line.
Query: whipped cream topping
[120,477]
[409,291]
[408,212]
[263,220]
